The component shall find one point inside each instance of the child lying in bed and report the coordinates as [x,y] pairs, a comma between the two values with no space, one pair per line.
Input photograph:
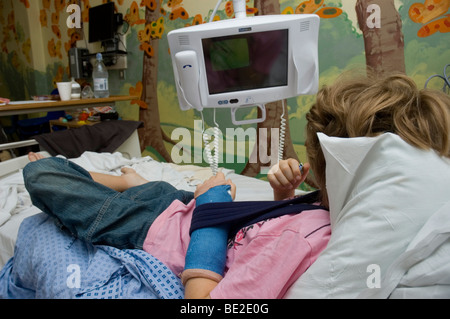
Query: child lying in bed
[261,261]
[265,258]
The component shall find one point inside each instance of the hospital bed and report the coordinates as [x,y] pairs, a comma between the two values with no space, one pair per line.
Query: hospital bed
[346,269]
[15,204]
[17,210]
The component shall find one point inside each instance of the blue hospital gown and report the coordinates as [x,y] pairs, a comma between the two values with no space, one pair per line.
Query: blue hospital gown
[49,263]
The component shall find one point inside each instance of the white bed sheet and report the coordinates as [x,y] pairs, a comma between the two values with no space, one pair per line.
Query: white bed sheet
[17,205]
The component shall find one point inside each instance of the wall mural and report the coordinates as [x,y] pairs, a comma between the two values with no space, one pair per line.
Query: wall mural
[432,15]
[405,35]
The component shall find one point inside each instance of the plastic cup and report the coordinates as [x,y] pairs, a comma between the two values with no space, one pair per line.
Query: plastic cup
[65,90]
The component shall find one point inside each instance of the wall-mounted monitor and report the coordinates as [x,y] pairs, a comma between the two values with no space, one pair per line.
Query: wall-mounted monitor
[102,25]
[245,62]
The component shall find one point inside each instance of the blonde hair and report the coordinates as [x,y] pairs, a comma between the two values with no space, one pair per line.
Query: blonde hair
[370,106]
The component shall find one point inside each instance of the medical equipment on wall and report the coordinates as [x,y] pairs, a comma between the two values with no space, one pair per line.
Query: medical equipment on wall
[245,62]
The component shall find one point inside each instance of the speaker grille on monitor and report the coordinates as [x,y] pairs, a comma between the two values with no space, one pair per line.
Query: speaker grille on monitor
[183,40]
[304,26]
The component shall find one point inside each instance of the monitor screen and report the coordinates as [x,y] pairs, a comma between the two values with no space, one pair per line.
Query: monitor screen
[246,61]
[101,22]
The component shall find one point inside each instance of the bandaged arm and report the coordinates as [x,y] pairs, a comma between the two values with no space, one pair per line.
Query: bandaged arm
[206,254]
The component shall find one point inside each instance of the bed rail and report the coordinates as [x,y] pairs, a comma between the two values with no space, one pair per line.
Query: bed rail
[130,149]
[13,145]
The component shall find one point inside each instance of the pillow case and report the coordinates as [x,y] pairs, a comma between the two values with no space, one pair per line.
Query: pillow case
[381,191]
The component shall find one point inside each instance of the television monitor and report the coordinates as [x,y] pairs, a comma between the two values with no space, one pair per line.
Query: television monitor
[245,62]
[102,26]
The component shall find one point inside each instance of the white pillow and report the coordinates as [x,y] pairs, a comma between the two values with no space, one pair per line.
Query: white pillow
[382,191]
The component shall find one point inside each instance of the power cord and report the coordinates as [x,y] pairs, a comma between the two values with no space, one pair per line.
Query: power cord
[212,154]
[282,133]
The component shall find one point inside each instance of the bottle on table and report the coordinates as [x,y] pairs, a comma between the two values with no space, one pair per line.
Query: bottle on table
[100,78]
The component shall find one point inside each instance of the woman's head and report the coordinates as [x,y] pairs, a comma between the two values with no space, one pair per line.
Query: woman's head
[370,106]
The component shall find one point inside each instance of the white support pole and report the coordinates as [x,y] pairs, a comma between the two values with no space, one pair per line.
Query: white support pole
[240,9]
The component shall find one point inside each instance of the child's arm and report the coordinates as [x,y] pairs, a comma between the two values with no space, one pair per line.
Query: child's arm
[286,176]
[199,288]
[206,254]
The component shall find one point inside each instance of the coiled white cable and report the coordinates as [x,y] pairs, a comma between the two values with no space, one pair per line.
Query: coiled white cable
[282,133]
[213,160]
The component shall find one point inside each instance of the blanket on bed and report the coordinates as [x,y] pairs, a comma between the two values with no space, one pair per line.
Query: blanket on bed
[13,197]
[102,137]
[49,263]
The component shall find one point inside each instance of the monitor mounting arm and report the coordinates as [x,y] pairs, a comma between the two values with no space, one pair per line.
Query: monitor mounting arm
[240,9]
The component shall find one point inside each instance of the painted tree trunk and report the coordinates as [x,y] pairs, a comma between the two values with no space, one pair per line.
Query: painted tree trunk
[384,43]
[152,134]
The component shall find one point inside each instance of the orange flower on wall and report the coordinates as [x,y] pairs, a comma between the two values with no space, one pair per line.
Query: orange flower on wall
[137,91]
[150,4]
[229,9]
[56,31]
[153,30]
[54,49]
[157,28]
[179,13]
[315,6]
[85,11]
[43,18]
[147,48]
[55,18]
[26,3]
[133,17]
[60,5]
[46,4]
[177,10]
[432,15]
[74,37]
[198,19]
[144,37]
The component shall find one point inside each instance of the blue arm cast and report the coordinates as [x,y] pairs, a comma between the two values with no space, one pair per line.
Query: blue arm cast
[208,246]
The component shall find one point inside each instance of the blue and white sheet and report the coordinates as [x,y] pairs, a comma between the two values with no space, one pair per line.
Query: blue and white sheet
[49,263]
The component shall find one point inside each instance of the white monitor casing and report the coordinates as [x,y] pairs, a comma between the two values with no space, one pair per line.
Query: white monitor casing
[296,66]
